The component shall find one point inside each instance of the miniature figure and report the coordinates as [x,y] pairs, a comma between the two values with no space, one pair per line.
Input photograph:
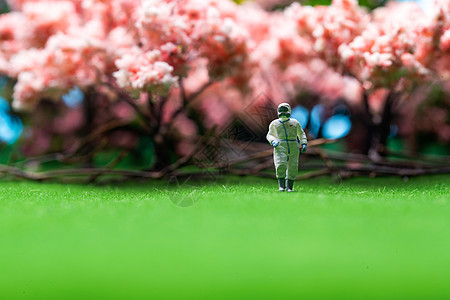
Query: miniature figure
[284,135]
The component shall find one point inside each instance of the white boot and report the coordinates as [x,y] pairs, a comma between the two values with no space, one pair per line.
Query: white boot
[290,185]
[281,184]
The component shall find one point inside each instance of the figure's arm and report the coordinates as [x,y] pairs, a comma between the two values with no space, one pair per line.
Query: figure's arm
[302,137]
[272,135]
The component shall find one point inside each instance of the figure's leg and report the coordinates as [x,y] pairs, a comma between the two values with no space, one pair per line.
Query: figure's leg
[292,167]
[290,185]
[281,184]
[281,171]
[280,161]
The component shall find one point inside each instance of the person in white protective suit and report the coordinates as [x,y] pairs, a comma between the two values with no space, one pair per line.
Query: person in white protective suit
[284,135]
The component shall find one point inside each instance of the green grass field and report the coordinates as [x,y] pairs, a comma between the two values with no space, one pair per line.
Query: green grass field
[363,238]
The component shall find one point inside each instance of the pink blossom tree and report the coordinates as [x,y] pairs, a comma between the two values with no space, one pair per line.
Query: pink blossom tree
[382,50]
[396,56]
[179,40]
[120,48]
[62,44]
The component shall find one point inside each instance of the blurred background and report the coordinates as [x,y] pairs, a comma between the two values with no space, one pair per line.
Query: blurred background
[158,86]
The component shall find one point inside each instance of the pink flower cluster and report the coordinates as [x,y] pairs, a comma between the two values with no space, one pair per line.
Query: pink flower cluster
[66,61]
[393,52]
[328,27]
[190,29]
[391,47]
[442,31]
[140,70]
[51,46]
[11,41]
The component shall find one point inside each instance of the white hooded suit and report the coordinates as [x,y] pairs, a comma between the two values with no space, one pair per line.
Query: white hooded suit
[286,153]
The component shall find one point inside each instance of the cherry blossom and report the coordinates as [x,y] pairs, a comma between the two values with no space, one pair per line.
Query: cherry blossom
[391,47]
[144,71]
[328,27]
[190,29]
[66,61]
[10,38]
[51,46]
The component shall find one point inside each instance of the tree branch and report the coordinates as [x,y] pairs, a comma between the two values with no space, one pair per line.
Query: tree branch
[186,100]
[51,175]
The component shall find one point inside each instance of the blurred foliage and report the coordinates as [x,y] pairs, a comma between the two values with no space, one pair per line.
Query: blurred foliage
[370,4]
[142,157]
[3,7]
[432,121]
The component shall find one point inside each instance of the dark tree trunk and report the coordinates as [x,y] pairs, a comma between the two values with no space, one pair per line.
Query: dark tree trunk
[384,128]
[362,133]
[89,112]
[380,128]
[163,152]
[89,125]
[370,132]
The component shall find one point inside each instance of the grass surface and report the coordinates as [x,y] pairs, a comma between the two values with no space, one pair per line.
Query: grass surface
[235,238]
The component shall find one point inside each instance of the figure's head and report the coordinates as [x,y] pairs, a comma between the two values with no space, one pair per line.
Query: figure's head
[284,110]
